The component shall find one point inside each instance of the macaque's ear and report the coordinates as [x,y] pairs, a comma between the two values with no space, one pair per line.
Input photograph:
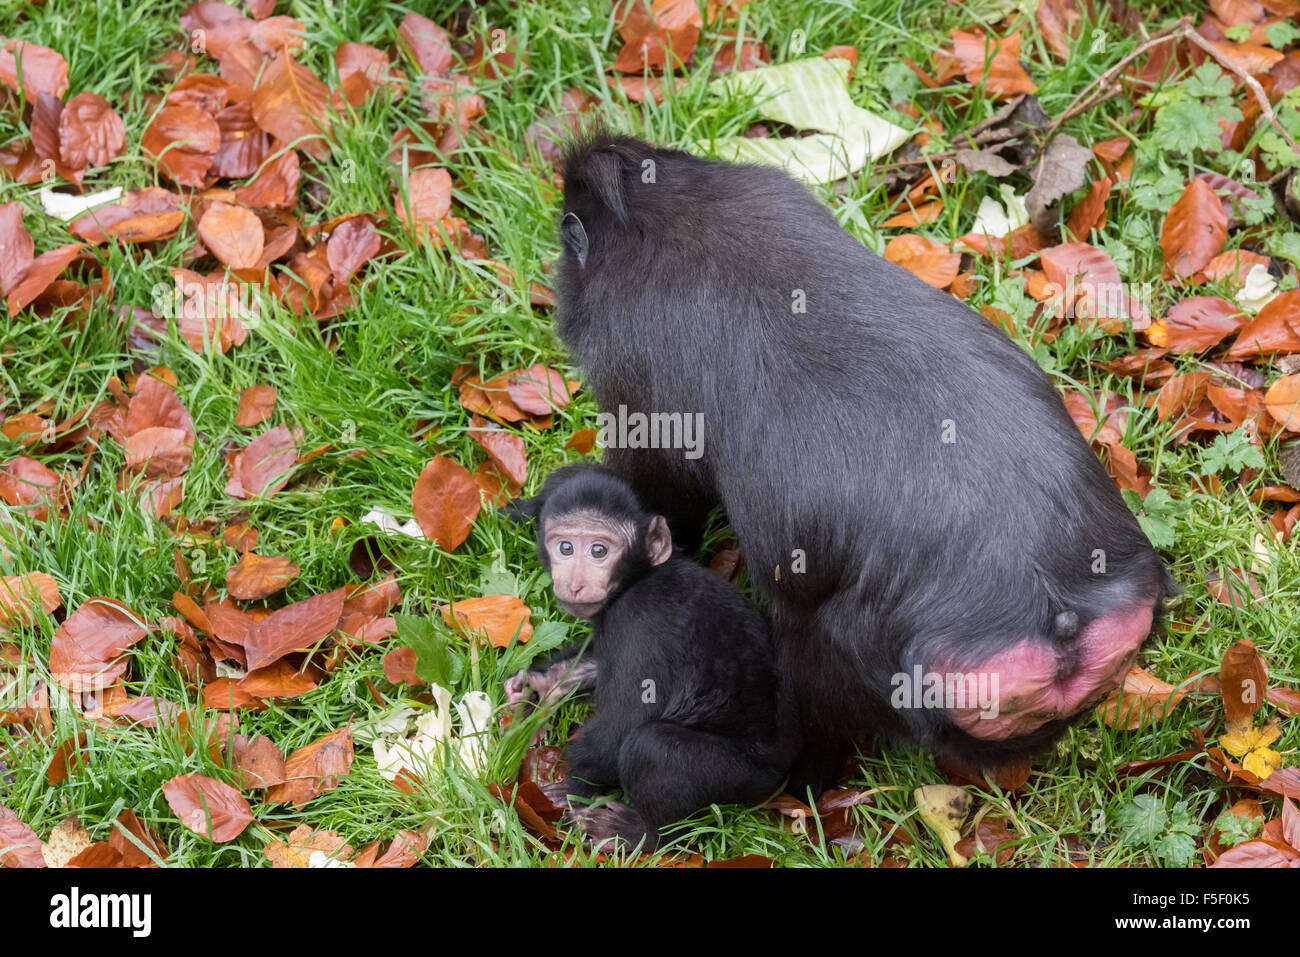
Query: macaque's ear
[659,541]
[574,235]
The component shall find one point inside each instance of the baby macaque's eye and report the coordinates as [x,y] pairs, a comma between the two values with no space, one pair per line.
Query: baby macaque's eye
[566,548]
[598,550]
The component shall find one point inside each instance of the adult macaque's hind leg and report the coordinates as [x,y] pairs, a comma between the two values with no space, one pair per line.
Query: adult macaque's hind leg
[669,772]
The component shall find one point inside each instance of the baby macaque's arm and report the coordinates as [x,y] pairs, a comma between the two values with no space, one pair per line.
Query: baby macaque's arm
[552,683]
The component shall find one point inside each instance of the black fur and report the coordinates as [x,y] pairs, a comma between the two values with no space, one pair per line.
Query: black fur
[823,433]
[715,726]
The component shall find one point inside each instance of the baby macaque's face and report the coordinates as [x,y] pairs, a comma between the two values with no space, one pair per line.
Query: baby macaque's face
[590,555]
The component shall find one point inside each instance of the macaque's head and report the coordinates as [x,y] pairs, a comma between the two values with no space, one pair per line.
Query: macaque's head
[612,190]
[595,537]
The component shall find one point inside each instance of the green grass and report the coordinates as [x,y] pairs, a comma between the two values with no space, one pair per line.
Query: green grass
[376,376]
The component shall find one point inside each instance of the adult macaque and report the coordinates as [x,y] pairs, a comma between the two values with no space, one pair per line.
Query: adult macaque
[905,477]
[689,708]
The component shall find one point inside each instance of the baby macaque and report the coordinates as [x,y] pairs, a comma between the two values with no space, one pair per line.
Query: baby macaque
[689,707]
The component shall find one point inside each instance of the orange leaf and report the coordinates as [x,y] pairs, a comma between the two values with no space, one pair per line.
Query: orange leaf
[1181,394]
[159,431]
[16,248]
[244,147]
[207,807]
[20,595]
[291,104]
[277,34]
[445,501]
[1200,322]
[233,234]
[352,244]
[43,69]
[1251,58]
[427,44]
[1276,329]
[257,762]
[264,466]
[428,191]
[295,627]
[995,63]
[255,405]
[1089,213]
[399,667]
[494,485]
[1017,244]
[1233,12]
[1243,680]
[1111,415]
[224,694]
[1142,697]
[143,215]
[920,215]
[368,61]
[1283,402]
[496,616]
[405,851]
[924,258]
[1058,20]
[1088,278]
[659,35]
[1259,854]
[491,398]
[1233,266]
[539,390]
[372,599]
[39,274]
[505,449]
[29,486]
[276,184]
[90,132]
[639,89]
[1123,467]
[1194,229]
[278,680]
[87,648]
[582,441]
[314,769]
[132,855]
[1234,587]
[257,576]
[183,140]
[19,845]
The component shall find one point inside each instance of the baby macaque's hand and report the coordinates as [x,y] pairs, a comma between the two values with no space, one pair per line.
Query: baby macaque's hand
[520,687]
[529,687]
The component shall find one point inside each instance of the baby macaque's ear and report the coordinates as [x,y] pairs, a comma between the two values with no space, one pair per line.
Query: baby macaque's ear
[659,541]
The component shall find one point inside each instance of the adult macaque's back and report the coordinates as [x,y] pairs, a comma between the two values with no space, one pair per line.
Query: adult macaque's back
[905,482]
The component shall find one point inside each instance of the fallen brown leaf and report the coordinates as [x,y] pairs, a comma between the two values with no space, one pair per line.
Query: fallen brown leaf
[446,502]
[209,808]
[257,576]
